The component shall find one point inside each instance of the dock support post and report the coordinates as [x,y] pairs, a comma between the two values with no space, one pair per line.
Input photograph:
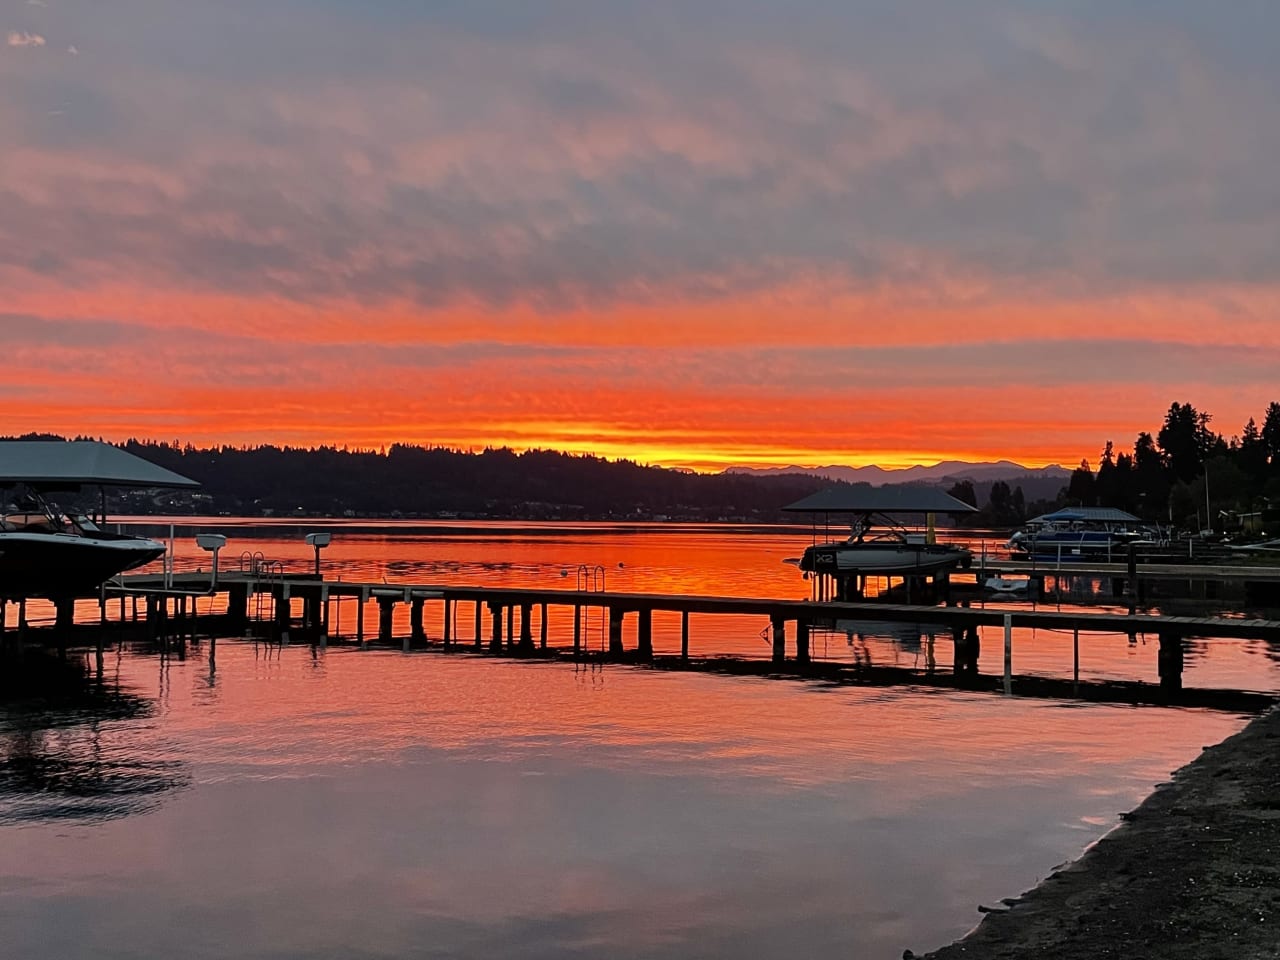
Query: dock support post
[495,640]
[64,615]
[644,634]
[615,631]
[448,622]
[684,635]
[1169,662]
[577,630]
[779,639]
[542,628]
[418,636]
[386,611]
[479,642]
[324,615]
[526,628]
[802,641]
[283,612]
[1008,654]
[511,627]
[361,600]
[1075,648]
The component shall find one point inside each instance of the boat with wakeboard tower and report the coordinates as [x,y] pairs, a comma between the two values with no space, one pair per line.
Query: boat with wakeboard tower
[52,553]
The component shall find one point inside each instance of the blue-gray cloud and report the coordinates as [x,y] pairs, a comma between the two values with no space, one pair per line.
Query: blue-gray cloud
[582,153]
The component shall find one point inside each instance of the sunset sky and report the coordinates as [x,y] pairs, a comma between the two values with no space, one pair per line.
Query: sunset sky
[690,233]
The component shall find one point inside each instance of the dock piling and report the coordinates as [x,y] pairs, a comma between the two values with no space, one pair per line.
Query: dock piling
[615,631]
[1169,662]
[417,634]
[802,641]
[779,639]
[644,633]
[495,641]
[1008,654]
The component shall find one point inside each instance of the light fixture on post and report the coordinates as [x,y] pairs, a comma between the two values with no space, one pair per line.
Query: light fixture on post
[318,541]
[213,542]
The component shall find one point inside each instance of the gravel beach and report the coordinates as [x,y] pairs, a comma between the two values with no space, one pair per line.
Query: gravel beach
[1194,872]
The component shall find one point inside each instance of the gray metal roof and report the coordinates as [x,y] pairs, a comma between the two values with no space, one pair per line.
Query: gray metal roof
[902,498]
[59,462]
[1097,514]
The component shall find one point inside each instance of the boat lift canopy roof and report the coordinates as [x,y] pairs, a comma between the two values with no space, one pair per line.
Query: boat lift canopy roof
[1096,514]
[904,498]
[71,463]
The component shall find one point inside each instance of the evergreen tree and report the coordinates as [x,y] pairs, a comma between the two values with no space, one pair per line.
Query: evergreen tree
[1271,437]
[1107,485]
[1151,481]
[1082,488]
[963,490]
[1252,451]
[1181,439]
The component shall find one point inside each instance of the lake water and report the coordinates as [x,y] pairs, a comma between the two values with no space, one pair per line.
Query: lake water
[292,802]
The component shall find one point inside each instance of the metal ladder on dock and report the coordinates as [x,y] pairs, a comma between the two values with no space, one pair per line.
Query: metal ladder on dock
[268,573]
[591,580]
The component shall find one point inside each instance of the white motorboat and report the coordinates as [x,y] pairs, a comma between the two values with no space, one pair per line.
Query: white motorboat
[879,545]
[888,553]
[46,553]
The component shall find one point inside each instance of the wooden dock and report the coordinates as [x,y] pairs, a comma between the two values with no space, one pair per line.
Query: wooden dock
[502,618]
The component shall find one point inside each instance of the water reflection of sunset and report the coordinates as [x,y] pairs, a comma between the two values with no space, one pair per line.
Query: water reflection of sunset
[375,797]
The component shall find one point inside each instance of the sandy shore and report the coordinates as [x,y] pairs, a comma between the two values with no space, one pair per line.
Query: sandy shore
[1194,872]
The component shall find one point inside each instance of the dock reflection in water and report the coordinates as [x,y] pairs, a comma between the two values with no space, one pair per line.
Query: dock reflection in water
[368,803]
[73,746]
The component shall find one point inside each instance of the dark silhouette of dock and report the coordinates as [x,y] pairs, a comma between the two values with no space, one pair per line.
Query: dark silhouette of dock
[503,620]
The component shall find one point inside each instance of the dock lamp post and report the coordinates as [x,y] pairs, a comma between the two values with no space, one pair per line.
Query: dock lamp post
[213,542]
[318,541]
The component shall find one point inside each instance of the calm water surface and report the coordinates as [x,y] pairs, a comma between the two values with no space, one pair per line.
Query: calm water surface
[257,801]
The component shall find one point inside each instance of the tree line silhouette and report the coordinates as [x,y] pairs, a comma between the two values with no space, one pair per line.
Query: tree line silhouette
[1167,476]
[1164,478]
[416,481]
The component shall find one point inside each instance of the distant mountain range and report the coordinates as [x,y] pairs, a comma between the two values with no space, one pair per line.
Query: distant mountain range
[945,472]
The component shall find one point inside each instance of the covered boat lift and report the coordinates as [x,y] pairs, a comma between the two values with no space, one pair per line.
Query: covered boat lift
[839,569]
[56,557]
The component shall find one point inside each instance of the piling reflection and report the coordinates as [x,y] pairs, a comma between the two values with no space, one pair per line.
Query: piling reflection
[69,745]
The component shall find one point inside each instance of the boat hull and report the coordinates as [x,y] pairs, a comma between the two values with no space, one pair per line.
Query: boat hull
[56,565]
[888,559]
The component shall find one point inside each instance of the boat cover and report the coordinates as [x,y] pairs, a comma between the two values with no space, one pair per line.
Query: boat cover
[1088,514]
[73,462]
[902,498]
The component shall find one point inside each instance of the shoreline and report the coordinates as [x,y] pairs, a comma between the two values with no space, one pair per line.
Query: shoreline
[1192,874]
